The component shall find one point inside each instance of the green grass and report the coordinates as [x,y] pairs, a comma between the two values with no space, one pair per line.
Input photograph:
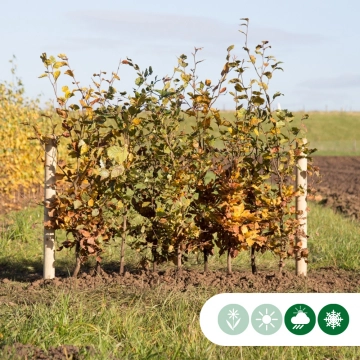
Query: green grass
[332,133]
[136,326]
[157,323]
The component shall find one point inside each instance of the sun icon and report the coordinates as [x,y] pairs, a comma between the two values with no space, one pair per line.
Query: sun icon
[266,319]
[300,311]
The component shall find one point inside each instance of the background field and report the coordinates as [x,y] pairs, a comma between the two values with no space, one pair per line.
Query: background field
[332,133]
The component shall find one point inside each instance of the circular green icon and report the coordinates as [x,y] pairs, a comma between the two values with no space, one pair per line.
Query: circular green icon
[233,319]
[300,319]
[266,319]
[333,319]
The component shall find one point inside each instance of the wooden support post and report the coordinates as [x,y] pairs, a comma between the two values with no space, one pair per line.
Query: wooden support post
[301,205]
[49,193]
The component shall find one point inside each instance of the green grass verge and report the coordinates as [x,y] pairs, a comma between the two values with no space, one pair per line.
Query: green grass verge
[150,325]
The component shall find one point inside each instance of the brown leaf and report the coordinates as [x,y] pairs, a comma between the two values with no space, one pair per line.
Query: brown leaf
[84,233]
[62,113]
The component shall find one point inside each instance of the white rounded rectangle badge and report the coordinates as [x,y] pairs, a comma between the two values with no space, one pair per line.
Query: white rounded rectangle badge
[273,319]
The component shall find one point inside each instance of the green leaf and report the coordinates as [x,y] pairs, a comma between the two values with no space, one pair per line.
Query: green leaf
[139,81]
[117,153]
[268,74]
[257,100]
[277,94]
[239,88]
[77,204]
[209,176]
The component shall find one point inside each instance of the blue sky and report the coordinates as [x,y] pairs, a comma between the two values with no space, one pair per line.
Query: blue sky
[317,40]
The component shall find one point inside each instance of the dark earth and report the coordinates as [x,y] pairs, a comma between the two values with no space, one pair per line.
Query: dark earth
[339,189]
[340,186]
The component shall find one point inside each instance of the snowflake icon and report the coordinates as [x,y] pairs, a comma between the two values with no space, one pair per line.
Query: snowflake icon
[333,319]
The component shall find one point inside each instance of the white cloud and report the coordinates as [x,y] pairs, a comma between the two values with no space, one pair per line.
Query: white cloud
[141,27]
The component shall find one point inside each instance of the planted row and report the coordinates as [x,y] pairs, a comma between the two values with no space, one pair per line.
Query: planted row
[165,171]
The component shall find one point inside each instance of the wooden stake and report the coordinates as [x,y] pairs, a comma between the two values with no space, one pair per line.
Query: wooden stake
[50,192]
[122,250]
[229,270]
[301,205]
[206,262]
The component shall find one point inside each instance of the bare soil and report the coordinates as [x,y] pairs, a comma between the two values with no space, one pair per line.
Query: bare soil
[325,280]
[340,186]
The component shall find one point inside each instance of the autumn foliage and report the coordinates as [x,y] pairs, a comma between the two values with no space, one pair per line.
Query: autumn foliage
[162,169]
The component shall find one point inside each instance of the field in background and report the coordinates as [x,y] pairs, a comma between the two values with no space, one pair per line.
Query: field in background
[332,133]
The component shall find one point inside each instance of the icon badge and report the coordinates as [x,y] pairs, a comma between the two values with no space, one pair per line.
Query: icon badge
[333,319]
[266,319]
[300,319]
[233,319]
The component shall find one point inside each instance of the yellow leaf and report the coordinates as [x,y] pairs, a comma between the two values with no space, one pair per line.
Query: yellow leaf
[230,130]
[254,121]
[42,76]
[244,229]
[62,56]
[84,149]
[186,77]
[263,85]
[59,64]
[252,59]
[136,121]
[65,89]
[256,132]
[56,74]
[91,202]
[238,210]
[250,242]
[207,82]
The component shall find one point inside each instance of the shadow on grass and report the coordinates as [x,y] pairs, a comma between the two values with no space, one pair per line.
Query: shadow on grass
[27,270]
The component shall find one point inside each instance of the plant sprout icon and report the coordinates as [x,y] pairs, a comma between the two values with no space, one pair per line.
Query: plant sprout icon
[266,319]
[233,314]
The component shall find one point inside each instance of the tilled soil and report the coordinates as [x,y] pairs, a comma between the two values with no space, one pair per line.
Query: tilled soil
[20,351]
[325,280]
[340,185]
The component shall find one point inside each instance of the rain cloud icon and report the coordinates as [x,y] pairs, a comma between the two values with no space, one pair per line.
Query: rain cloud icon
[300,320]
